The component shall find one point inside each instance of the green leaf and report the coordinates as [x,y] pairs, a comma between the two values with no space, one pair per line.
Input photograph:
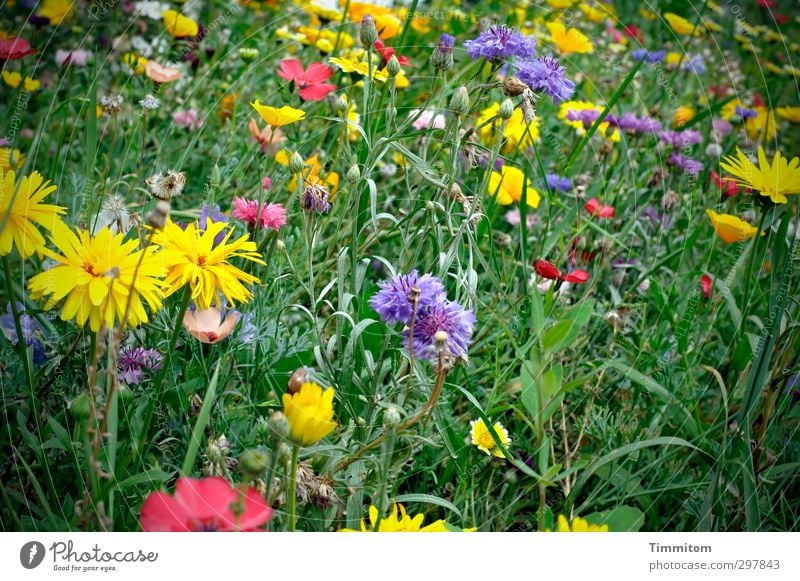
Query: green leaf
[428,499]
[554,336]
[623,519]
[152,476]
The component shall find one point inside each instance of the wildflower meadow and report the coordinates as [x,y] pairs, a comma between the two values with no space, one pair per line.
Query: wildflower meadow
[443,265]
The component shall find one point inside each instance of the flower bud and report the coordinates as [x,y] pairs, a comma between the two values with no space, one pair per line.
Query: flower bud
[81,406]
[216,177]
[391,417]
[157,219]
[248,55]
[368,33]
[296,162]
[354,173]
[393,66]
[459,103]
[342,105]
[442,56]
[513,87]
[254,462]
[506,110]
[278,425]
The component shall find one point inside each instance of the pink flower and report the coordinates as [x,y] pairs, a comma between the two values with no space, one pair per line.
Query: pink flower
[705,285]
[189,119]
[514,217]
[160,73]
[204,504]
[273,216]
[15,48]
[427,119]
[266,182]
[311,82]
[209,326]
[598,210]
[78,57]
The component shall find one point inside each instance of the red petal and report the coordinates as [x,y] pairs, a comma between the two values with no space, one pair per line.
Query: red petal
[162,513]
[318,73]
[290,69]
[256,511]
[546,269]
[576,276]
[316,92]
[705,285]
[207,499]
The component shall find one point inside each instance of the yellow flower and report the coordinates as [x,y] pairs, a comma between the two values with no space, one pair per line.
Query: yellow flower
[21,208]
[311,173]
[578,525]
[774,69]
[323,11]
[13,79]
[680,25]
[359,67]
[569,41]
[388,25]
[730,228]
[135,62]
[482,439]
[191,257]
[762,126]
[310,413]
[775,180]
[561,4]
[647,14]
[278,117]
[55,10]
[794,71]
[398,521]
[673,59]
[791,114]
[517,133]
[711,26]
[596,13]
[99,275]
[507,186]
[179,25]
[11,159]
[682,115]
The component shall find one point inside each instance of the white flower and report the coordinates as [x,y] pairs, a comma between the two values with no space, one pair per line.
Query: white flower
[150,103]
[150,9]
[114,215]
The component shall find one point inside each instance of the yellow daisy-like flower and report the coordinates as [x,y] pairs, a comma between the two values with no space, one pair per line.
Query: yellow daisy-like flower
[179,25]
[312,174]
[569,40]
[359,67]
[507,187]
[325,12]
[682,115]
[13,79]
[578,525]
[310,413]
[774,69]
[791,114]
[192,257]
[762,126]
[398,521]
[561,4]
[21,208]
[517,133]
[56,11]
[278,117]
[774,180]
[482,438]
[680,25]
[98,276]
[730,228]
[597,12]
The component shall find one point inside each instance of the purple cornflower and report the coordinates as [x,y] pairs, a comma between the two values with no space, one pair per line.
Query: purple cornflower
[687,164]
[680,138]
[631,123]
[558,183]
[650,57]
[721,128]
[658,220]
[545,75]
[133,361]
[499,42]
[443,325]
[393,302]
[442,56]
[695,64]
[32,331]
[315,199]
[585,116]
[745,113]
[207,215]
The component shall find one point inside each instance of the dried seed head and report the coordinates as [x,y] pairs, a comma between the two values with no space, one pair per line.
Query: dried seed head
[167,186]
[513,87]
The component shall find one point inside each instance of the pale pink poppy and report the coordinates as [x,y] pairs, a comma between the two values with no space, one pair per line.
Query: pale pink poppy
[160,73]
[209,326]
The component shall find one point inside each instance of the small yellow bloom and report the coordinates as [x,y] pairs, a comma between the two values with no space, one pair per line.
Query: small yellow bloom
[10,159]
[278,117]
[569,40]
[507,187]
[99,275]
[21,209]
[647,14]
[179,25]
[730,228]
[13,79]
[711,26]
[596,12]
[774,69]
[578,525]
[673,59]
[517,133]
[762,126]
[359,67]
[680,25]
[791,114]
[135,62]
[56,11]
[398,521]
[310,413]
[388,25]
[482,438]
[682,115]
[775,180]
[561,4]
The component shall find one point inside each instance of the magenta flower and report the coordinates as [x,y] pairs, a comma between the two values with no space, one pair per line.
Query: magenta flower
[271,216]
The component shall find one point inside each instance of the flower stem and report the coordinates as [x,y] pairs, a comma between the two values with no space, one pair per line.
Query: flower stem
[293,488]
[21,344]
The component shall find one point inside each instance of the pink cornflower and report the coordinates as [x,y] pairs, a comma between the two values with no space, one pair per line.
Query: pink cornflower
[272,216]
[189,119]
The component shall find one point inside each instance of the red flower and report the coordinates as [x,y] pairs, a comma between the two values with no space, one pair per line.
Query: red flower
[766,3]
[758,101]
[311,82]
[547,270]
[632,31]
[205,504]
[705,285]
[719,91]
[387,53]
[598,210]
[727,187]
[781,19]
[15,48]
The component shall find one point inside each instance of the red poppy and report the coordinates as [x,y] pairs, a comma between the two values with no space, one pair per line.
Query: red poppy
[547,270]
[727,187]
[598,210]
[205,504]
[705,285]
[781,19]
[15,48]
[632,31]
[311,82]
[387,52]
[758,101]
